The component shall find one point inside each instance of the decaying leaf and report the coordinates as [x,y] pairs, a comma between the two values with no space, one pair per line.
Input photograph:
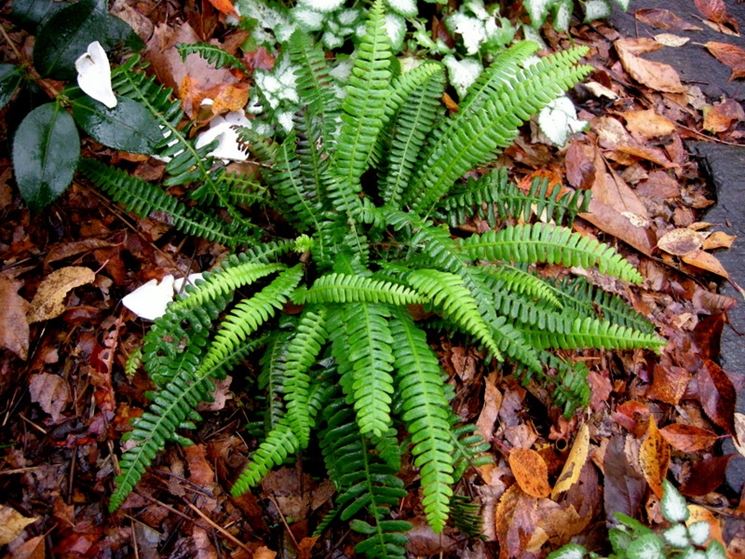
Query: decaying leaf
[575,461]
[671,40]
[648,124]
[655,75]
[663,19]
[530,471]
[688,438]
[705,261]
[681,241]
[49,301]
[14,331]
[264,552]
[654,457]
[12,523]
[718,239]
[739,438]
[51,393]
[224,6]
[717,394]
[730,55]
[721,116]
[716,11]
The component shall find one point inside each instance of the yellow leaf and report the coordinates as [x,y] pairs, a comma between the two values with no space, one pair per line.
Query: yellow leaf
[49,301]
[575,462]
[654,457]
[12,523]
[530,471]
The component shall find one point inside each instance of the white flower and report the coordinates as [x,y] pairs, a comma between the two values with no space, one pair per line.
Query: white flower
[221,129]
[149,301]
[94,74]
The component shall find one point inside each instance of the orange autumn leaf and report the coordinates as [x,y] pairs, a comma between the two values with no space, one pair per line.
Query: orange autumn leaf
[224,6]
[721,116]
[654,457]
[730,55]
[232,97]
[648,124]
[688,438]
[530,471]
[705,261]
[655,75]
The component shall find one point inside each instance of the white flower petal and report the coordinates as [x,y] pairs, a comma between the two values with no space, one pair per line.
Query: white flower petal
[221,129]
[94,75]
[149,301]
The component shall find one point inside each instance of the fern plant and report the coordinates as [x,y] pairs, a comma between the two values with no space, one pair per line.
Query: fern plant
[372,198]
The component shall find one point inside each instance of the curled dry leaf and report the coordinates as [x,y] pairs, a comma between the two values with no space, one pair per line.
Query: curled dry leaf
[655,75]
[575,461]
[660,18]
[49,301]
[705,261]
[490,411]
[648,124]
[688,438]
[730,55]
[530,471]
[680,242]
[716,11]
[14,331]
[719,239]
[739,438]
[51,393]
[12,523]
[654,457]
[721,116]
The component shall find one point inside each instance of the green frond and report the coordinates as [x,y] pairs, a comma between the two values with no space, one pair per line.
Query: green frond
[471,450]
[143,199]
[477,198]
[272,377]
[585,299]
[250,314]
[346,288]
[447,292]
[301,352]
[366,485]
[465,515]
[362,349]
[419,107]
[264,149]
[363,109]
[213,54]
[523,282]
[134,361]
[314,85]
[490,122]
[313,164]
[425,410]
[590,332]
[541,242]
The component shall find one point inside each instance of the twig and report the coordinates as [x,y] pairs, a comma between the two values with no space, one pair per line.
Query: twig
[284,521]
[11,44]
[710,138]
[220,529]
[50,90]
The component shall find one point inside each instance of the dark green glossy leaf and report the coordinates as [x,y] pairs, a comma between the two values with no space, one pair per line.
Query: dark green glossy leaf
[31,13]
[46,149]
[128,126]
[10,78]
[63,37]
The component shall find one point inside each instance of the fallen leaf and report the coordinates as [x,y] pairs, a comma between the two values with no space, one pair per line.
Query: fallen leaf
[705,261]
[264,552]
[688,438]
[599,90]
[648,124]
[716,11]
[663,19]
[580,165]
[681,241]
[669,383]
[202,544]
[305,547]
[717,394]
[14,331]
[721,116]
[730,55]
[658,184]
[575,461]
[490,411]
[697,513]
[33,548]
[705,476]
[61,251]
[624,486]
[224,7]
[200,470]
[49,301]
[718,239]
[739,438]
[51,393]
[530,471]
[12,523]
[654,457]
[655,75]
[670,40]
[230,98]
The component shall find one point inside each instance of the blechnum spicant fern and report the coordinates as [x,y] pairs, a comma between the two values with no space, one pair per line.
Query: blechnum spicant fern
[372,199]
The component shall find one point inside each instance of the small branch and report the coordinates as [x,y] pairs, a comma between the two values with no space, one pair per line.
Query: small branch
[46,85]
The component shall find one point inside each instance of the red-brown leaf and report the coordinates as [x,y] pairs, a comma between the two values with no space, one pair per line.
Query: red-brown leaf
[663,19]
[688,438]
[717,395]
[730,55]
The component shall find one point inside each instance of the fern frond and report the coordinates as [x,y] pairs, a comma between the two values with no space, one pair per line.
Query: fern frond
[490,122]
[363,109]
[542,242]
[213,54]
[346,288]
[447,292]
[366,485]
[425,410]
[590,332]
[477,198]
[411,126]
[301,352]
[250,314]
[361,346]
[272,377]
[471,450]
[465,515]
[143,199]
[523,282]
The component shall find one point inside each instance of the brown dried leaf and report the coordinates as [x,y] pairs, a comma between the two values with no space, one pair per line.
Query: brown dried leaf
[655,75]
[669,383]
[648,124]
[730,55]
[200,470]
[718,239]
[670,40]
[680,242]
[530,471]
[654,457]
[705,476]
[739,438]
[490,411]
[663,19]
[34,548]
[716,11]
[12,523]
[624,486]
[717,394]
[264,552]
[705,261]
[575,461]
[14,331]
[721,116]
[224,7]
[51,393]
[230,98]
[49,301]
[688,438]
